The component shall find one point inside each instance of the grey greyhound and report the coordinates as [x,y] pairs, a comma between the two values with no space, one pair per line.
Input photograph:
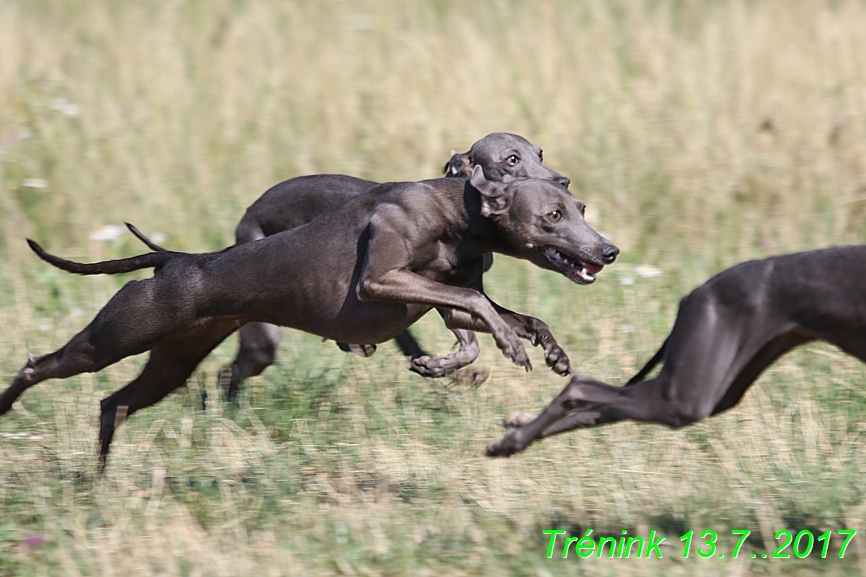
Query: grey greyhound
[299,200]
[726,333]
[362,272]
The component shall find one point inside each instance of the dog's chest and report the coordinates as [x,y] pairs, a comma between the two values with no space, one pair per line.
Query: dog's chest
[439,267]
[444,271]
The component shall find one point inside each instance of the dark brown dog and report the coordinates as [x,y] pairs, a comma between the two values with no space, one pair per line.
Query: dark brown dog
[362,272]
[726,333]
[299,200]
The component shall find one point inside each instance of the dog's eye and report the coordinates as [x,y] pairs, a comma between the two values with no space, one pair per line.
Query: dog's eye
[582,210]
[512,160]
[556,215]
[540,156]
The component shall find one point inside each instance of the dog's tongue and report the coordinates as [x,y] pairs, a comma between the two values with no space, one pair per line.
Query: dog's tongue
[592,268]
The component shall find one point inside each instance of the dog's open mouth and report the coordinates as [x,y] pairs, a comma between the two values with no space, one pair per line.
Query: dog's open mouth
[578,270]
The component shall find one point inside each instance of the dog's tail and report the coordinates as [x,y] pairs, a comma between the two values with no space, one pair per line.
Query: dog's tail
[149,260]
[138,234]
[651,364]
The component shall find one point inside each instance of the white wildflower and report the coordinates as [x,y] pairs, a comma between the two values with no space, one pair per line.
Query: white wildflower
[34,183]
[647,271]
[22,435]
[106,232]
[71,109]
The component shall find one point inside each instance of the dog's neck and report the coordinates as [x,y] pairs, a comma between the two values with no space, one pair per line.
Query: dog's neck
[483,234]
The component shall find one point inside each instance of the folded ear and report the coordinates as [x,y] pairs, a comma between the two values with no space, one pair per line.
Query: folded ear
[459,165]
[495,199]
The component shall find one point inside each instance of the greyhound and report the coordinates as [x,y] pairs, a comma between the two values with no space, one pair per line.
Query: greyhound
[726,333]
[299,200]
[362,272]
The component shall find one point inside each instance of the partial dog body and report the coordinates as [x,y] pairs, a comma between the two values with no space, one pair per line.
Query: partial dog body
[362,272]
[299,200]
[726,333]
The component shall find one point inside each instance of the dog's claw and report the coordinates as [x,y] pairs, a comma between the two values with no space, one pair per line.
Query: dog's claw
[522,362]
[517,353]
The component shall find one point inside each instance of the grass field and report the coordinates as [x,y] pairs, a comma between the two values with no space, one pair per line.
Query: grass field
[700,134]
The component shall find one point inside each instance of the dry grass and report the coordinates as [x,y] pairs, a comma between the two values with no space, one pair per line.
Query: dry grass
[700,134]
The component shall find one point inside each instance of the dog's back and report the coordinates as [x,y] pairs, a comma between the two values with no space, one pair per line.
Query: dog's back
[295,202]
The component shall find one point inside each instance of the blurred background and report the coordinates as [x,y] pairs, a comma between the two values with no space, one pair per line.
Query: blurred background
[699,133]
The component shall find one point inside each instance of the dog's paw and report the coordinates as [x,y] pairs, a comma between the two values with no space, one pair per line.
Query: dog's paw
[517,419]
[521,359]
[427,366]
[557,360]
[512,348]
[517,353]
[504,447]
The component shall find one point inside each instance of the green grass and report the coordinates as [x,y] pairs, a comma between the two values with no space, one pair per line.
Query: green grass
[700,134]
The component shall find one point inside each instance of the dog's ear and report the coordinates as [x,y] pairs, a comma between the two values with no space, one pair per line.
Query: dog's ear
[460,165]
[494,198]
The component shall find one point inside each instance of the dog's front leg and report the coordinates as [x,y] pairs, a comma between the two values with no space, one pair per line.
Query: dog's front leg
[468,350]
[400,285]
[530,328]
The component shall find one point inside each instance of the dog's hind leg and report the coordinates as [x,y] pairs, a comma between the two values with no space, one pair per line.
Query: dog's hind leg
[666,411]
[77,356]
[711,357]
[596,403]
[409,346]
[34,372]
[137,317]
[258,351]
[171,362]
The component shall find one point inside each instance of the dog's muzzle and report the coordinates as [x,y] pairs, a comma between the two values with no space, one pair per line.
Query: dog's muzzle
[575,268]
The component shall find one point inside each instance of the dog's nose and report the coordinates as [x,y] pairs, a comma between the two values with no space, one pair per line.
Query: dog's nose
[608,253]
[563,180]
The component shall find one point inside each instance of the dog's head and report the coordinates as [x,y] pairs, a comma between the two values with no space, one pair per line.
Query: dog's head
[500,155]
[544,224]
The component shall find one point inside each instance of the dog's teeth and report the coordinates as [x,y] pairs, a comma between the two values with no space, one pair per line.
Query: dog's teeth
[582,273]
[570,262]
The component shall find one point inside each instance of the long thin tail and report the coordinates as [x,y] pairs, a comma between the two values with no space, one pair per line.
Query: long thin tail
[138,234]
[149,260]
[651,364]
